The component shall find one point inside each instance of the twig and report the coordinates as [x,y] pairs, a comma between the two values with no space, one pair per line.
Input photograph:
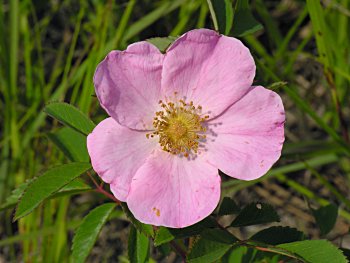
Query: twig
[99,189]
[178,249]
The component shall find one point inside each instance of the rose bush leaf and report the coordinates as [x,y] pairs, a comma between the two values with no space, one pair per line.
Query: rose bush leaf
[87,233]
[325,217]
[278,235]
[243,21]
[70,116]
[228,207]
[15,195]
[144,228]
[211,246]
[242,254]
[71,143]
[74,187]
[47,184]
[162,43]
[315,251]
[164,234]
[255,213]
[138,246]
[224,15]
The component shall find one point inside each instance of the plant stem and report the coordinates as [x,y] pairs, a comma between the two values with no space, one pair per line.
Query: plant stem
[99,189]
[213,15]
[178,249]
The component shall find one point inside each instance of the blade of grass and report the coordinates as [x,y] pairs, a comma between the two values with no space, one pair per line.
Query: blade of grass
[150,18]
[309,194]
[282,48]
[289,168]
[122,27]
[213,15]
[270,24]
[329,186]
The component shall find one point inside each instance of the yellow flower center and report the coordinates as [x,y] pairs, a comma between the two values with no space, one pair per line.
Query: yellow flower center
[180,127]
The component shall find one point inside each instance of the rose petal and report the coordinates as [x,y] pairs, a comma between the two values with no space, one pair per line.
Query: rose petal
[127,83]
[174,192]
[116,153]
[212,70]
[247,139]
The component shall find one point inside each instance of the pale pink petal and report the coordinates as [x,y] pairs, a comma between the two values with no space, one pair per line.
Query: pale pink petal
[127,83]
[212,70]
[116,153]
[247,139]
[174,192]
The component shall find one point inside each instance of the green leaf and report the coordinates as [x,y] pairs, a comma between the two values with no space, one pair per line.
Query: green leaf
[71,143]
[254,214]
[278,235]
[70,116]
[87,233]
[243,21]
[315,251]
[212,245]
[317,16]
[164,235]
[326,217]
[162,43]
[346,253]
[239,254]
[228,207]
[138,246]
[74,187]
[47,184]
[277,85]
[224,15]
[13,198]
[144,228]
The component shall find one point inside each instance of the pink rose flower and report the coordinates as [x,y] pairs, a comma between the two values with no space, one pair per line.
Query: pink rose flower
[177,118]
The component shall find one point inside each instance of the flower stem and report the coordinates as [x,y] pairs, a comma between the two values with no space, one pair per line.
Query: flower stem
[99,189]
[213,15]
[178,249]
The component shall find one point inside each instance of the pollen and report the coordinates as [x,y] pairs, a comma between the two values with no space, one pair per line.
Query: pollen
[179,126]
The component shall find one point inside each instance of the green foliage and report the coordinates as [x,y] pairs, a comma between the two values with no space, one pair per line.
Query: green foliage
[71,143]
[326,216]
[144,228]
[74,187]
[243,21]
[162,43]
[228,207]
[255,213]
[164,234]
[223,13]
[87,233]
[138,246]
[319,26]
[12,199]
[47,184]
[239,254]
[163,9]
[70,116]
[315,251]
[278,235]
[212,245]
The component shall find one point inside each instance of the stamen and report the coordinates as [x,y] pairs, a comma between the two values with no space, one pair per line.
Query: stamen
[179,126]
